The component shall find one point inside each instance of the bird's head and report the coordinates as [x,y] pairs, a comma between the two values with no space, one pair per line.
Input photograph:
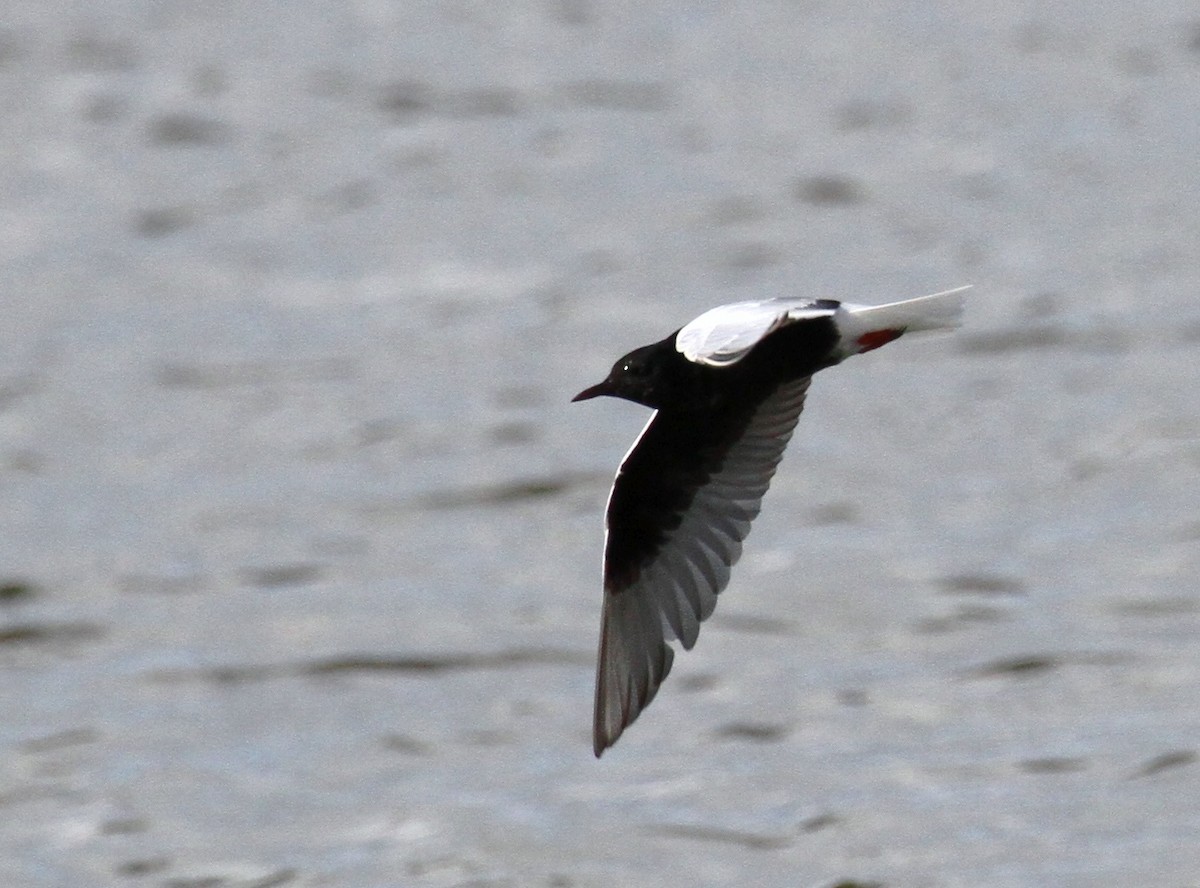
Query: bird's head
[643,376]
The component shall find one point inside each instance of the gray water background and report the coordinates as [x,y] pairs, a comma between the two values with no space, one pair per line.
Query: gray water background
[300,536]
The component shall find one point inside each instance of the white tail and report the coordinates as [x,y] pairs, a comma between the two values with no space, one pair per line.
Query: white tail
[864,327]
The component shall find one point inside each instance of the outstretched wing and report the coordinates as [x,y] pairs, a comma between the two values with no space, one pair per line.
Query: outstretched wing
[679,510]
[726,334]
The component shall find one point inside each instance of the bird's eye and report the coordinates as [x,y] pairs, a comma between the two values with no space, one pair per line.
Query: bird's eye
[635,368]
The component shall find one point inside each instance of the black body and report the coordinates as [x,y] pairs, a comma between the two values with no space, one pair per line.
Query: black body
[702,411]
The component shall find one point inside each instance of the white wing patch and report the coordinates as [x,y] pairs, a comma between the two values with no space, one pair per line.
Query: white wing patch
[726,334]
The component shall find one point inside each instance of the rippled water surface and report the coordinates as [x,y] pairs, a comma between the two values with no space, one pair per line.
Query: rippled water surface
[300,538]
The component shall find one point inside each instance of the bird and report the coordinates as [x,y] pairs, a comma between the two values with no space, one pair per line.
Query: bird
[727,390]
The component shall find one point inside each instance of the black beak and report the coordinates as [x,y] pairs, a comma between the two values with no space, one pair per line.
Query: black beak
[600,388]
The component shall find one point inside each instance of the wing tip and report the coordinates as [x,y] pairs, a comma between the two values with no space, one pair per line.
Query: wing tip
[621,693]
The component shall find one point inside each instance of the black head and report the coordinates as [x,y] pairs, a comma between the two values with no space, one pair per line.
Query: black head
[653,375]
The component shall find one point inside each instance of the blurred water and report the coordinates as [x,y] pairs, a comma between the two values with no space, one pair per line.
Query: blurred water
[299,554]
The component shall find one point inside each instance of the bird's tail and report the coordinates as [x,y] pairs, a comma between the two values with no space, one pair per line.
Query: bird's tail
[864,327]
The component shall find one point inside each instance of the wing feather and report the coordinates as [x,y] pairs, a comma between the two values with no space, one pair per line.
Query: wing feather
[726,334]
[673,533]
